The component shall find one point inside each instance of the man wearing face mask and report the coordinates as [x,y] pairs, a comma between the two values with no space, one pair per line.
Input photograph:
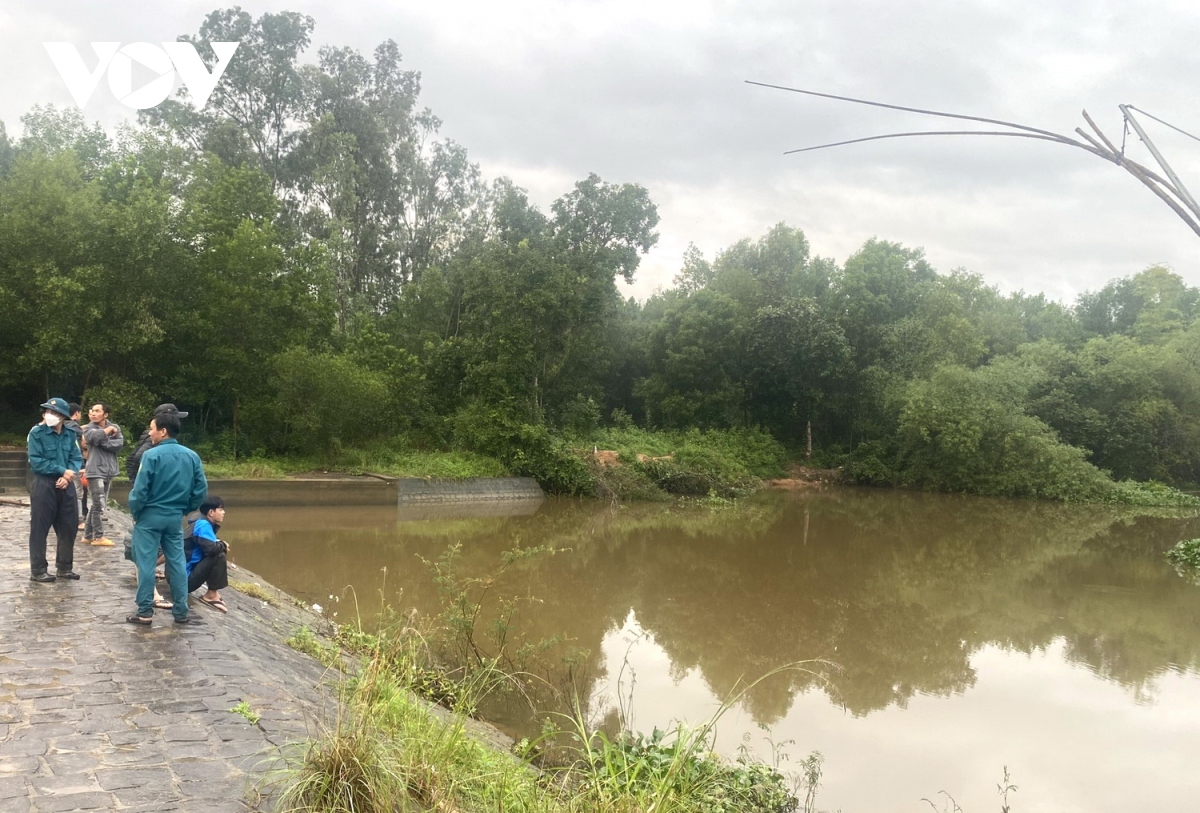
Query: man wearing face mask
[54,459]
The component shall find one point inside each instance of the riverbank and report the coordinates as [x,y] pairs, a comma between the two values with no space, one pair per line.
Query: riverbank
[97,714]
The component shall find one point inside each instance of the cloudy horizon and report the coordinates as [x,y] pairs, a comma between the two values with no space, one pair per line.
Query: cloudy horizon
[655,94]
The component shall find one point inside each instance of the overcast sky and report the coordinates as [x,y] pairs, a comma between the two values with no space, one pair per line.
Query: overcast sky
[653,93]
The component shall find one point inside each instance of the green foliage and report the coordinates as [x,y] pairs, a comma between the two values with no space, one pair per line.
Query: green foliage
[1148,495]
[323,401]
[1186,553]
[303,640]
[308,268]
[131,405]
[528,450]
[692,463]
[966,430]
[242,708]
[676,766]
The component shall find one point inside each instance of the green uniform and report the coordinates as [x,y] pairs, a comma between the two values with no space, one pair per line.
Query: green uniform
[50,454]
[169,484]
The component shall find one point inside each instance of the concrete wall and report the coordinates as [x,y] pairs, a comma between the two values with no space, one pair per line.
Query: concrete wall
[410,491]
[415,490]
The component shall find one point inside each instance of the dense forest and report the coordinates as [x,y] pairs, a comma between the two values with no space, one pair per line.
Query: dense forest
[307,266]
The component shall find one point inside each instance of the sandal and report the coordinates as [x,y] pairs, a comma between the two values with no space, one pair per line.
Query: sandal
[163,604]
[139,620]
[216,604]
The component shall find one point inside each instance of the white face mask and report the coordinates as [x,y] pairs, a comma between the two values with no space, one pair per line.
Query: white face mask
[52,420]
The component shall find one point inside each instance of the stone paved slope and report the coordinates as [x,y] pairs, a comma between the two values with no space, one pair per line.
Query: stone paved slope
[97,714]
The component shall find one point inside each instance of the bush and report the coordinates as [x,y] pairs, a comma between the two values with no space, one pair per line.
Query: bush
[323,401]
[1185,553]
[1148,495]
[870,464]
[528,450]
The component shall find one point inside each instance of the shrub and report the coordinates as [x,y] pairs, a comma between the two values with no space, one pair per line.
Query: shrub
[528,450]
[323,401]
[1185,553]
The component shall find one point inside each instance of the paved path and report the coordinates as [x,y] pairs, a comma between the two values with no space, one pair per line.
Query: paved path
[97,714]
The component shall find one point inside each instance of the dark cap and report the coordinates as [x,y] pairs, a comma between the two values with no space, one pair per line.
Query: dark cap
[58,405]
[169,409]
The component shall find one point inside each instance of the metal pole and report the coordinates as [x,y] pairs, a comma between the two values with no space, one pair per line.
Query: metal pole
[1184,195]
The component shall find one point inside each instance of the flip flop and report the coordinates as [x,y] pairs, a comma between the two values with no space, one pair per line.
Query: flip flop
[139,620]
[216,604]
[163,604]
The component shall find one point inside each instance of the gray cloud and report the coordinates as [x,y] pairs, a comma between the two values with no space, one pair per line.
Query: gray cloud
[653,93]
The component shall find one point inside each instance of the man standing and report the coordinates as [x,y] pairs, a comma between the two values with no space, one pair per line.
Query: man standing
[170,483]
[103,439]
[54,459]
[143,442]
[80,482]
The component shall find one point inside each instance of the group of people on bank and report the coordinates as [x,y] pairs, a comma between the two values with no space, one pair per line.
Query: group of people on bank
[168,484]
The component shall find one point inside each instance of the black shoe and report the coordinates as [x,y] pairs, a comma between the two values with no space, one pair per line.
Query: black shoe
[189,619]
[43,578]
[67,574]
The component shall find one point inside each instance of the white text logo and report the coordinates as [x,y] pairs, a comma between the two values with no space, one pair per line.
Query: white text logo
[164,63]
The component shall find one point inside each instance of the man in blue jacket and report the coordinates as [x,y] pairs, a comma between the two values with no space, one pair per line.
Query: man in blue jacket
[55,460]
[170,483]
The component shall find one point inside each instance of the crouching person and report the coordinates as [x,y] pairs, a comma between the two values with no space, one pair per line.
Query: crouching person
[206,564]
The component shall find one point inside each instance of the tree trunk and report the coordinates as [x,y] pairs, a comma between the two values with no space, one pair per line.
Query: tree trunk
[808,445]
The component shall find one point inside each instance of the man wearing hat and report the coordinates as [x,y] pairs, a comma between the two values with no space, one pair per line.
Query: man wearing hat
[134,461]
[54,459]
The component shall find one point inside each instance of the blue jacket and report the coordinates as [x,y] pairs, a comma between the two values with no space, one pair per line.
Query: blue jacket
[171,480]
[51,453]
[200,541]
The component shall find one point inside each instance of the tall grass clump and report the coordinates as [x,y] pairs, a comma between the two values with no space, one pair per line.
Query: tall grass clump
[389,749]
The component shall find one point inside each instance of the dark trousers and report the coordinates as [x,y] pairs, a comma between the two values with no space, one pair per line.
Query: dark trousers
[56,508]
[211,570]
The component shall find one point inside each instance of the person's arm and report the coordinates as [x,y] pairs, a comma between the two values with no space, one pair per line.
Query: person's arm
[206,538]
[97,438]
[74,457]
[39,460]
[141,487]
[199,484]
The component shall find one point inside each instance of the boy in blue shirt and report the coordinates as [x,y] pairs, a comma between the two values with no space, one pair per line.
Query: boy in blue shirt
[205,553]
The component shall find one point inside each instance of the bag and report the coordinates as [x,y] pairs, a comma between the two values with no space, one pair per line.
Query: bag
[129,551]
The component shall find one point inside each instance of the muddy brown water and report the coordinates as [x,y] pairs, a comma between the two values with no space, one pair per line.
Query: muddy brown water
[969,635]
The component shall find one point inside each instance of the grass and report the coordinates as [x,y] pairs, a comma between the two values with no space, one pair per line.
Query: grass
[254,590]
[390,750]
[303,640]
[379,459]
[243,709]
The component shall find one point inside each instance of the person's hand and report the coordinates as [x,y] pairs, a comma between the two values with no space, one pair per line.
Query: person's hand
[68,475]
[110,430]
[61,482]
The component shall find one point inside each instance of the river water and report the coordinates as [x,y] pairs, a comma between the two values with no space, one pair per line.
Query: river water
[956,636]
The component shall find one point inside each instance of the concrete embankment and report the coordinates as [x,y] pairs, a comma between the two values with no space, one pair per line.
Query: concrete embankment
[98,714]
